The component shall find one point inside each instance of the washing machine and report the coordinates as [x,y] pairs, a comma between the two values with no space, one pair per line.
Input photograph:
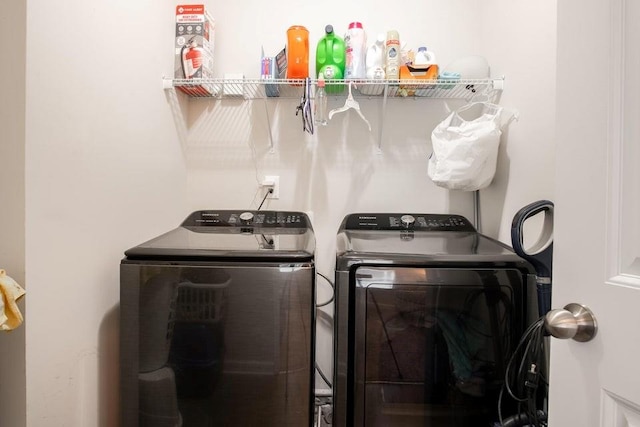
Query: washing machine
[217,322]
[428,312]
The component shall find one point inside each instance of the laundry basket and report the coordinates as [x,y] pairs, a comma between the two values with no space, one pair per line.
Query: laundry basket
[197,348]
[201,302]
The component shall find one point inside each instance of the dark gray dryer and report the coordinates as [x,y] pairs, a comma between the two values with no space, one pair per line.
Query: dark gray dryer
[217,323]
[428,312]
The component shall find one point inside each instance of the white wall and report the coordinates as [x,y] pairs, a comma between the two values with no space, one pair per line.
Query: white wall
[12,228]
[111,159]
[104,171]
[520,41]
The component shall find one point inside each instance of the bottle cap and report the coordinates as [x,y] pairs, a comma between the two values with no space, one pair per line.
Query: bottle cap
[355,25]
[422,49]
[328,29]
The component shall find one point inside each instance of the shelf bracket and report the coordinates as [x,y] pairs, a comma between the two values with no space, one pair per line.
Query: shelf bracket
[498,84]
[167,83]
[382,116]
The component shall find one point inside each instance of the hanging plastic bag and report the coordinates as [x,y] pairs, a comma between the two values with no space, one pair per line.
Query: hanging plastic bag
[465,150]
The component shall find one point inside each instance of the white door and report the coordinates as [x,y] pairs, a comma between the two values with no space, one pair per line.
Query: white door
[597,212]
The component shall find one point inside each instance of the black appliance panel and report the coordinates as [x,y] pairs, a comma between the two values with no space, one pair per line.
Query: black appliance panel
[217,344]
[247,219]
[431,345]
[419,222]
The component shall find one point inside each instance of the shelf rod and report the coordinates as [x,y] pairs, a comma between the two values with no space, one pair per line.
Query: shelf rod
[266,109]
[382,116]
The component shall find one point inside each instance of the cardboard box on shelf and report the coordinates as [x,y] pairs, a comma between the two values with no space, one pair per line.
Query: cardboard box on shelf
[194,46]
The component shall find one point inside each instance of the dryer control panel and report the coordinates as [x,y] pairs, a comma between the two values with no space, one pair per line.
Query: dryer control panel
[418,222]
[243,219]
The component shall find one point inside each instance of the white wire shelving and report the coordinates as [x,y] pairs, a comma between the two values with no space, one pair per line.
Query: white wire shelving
[288,88]
[274,89]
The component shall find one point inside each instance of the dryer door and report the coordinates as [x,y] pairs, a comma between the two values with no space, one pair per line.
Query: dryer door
[432,344]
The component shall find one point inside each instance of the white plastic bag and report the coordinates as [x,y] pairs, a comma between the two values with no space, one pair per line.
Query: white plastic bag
[465,152]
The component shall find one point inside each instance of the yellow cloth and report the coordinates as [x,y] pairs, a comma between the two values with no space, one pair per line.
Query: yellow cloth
[11,292]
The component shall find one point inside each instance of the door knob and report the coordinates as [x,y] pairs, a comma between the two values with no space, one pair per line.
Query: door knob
[573,321]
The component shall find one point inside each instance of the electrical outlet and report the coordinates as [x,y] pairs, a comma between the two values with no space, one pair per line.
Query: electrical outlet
[272,181]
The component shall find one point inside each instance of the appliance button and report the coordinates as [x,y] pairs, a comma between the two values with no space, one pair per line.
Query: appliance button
[246,217]
[407,220]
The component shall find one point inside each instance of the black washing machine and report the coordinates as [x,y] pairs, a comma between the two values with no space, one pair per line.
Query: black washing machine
[428,313]
[217,323]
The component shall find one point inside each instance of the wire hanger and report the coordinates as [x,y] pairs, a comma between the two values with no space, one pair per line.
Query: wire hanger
[350,103]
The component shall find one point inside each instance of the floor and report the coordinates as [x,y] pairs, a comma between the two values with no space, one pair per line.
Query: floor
[323,412]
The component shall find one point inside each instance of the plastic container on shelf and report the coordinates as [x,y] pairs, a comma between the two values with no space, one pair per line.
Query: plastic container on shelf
[392,55]
[374,61]
[330,59]
[424,57]
[356,44]
[297,52]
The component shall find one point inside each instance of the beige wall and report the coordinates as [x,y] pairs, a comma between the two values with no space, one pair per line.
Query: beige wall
[104,171]
[12,195]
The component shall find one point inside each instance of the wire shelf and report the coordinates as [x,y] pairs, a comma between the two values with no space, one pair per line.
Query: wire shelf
[292,88]
[265,89]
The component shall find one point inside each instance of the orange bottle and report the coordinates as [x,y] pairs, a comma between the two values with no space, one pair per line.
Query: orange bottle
[297,52]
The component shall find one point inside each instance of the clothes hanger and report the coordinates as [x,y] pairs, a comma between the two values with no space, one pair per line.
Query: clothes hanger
[350,103]
[305,107]
[486,98]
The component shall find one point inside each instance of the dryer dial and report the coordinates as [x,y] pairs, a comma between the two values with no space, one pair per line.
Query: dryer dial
[407,220]
[246,218]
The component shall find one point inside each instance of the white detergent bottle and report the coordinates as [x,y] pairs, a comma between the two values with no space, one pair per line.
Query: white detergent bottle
[424,57]
[355,42]
[375,66]
[375,59]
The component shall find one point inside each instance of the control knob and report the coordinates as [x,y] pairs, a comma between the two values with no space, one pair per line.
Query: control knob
[407,221]
[246,218]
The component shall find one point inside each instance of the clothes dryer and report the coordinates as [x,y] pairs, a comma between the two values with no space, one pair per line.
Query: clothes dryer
[428,313]
[217,322]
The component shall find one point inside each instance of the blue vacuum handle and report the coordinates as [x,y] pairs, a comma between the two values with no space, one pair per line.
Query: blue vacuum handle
[540,255]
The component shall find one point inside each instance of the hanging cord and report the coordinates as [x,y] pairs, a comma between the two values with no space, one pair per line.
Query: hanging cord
[333,291]
[324,377]
[527,378]
[267,241]
[265,197]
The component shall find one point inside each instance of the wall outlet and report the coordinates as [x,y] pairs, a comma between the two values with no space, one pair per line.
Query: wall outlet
[272,181]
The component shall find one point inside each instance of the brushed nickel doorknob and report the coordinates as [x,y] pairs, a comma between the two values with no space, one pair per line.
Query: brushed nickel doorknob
[573,321]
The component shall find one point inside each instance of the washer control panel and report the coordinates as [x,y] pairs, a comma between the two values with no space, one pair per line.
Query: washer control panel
[242,219]
[418,222]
